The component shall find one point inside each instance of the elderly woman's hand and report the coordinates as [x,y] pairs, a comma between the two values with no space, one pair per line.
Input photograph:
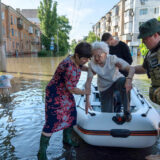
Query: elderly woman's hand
[119,65]
[87,106]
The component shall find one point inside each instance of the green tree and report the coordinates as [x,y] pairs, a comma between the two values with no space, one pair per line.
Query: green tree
[47,13]
[73,45]
[92,37]
[62,36]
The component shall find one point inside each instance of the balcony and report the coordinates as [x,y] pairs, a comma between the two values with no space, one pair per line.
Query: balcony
[108,19]
[30,30]
[114,23]
[115,34]
[128,19]
[127,30]
[37,32]
[108,28]
[19,23]
[127,37]
[128,5]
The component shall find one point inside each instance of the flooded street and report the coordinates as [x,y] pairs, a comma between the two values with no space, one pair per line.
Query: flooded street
[22,119]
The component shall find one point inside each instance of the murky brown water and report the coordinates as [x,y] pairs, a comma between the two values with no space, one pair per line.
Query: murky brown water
[22,119]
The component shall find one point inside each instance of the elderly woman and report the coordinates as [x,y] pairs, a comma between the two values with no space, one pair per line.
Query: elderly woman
[109,78]
[60,107]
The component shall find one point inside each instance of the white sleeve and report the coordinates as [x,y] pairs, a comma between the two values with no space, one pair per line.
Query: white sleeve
[121,61]
[90,73]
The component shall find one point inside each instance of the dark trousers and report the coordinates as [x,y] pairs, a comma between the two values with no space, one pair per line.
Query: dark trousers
[107,98]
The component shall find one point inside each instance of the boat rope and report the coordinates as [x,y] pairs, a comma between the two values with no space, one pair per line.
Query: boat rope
[142,99]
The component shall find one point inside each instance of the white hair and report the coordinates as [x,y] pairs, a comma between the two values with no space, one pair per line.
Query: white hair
[100,45]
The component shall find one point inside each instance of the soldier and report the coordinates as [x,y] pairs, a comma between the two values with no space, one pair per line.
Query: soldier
[150,34]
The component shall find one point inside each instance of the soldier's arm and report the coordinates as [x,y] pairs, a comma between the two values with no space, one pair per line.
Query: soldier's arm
[140,69]
[134,69]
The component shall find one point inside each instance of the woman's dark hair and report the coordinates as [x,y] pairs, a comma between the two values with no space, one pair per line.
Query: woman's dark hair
[83,49]
[106,36]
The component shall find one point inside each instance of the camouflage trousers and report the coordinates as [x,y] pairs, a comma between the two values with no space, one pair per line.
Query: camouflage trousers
[154,94]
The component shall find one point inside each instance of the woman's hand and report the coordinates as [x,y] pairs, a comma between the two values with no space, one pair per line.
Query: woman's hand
[87,106]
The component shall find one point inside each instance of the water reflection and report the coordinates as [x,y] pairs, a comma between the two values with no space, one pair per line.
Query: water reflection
[22,119]
[41,68]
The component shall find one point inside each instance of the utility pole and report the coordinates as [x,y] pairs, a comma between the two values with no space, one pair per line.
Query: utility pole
[57,43]
[2,51]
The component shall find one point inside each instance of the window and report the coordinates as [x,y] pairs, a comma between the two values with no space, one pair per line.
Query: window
[15,33]
[13,44]
[3,30]
[125,26]
[2,15]
[15,21]
[117,10]
[143,1]
[19,35]
[156,10]
[143,11]
[11,19]
[125,14]
[17,45]
[12,31]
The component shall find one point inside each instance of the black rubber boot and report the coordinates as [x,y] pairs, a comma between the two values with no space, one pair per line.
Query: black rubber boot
[127,116]
[67,137]
[43,147]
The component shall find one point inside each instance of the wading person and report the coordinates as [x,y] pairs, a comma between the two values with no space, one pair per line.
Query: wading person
[109,78]
[60,107]
[118,48]
[150,34]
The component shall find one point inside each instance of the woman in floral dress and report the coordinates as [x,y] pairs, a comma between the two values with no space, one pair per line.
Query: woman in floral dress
[60,107]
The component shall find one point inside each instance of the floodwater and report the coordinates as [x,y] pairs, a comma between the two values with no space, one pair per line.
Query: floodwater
[22,117]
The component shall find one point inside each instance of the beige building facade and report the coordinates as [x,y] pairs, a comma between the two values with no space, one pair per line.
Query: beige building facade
[124,19]
[20,36]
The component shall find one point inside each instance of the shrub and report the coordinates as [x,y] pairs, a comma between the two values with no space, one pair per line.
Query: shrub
[45,53]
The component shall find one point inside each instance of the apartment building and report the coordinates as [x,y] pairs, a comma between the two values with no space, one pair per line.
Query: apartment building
[143,10]
[31,15]
[124,19]
[20,36]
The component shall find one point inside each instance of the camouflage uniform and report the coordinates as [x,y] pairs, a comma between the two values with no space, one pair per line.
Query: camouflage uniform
[152,65]
[152,59]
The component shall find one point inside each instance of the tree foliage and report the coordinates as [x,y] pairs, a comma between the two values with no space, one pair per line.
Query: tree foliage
[73,45]
[63,35]
[92,37]
[55,26]
[47,14]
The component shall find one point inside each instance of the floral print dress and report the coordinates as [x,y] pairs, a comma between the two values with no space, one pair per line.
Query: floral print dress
[60,107]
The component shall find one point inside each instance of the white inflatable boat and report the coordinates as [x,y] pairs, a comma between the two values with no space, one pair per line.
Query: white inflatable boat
[102,129]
